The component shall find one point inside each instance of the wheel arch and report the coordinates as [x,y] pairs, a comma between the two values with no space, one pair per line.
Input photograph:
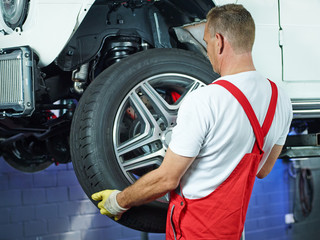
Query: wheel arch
[153,23]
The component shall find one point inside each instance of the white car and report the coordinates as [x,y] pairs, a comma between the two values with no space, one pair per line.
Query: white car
[100,82]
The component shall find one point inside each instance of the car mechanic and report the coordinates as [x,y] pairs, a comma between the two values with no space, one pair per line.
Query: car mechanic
[216,161]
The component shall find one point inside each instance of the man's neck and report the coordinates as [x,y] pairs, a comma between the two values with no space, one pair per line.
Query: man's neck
[236,63]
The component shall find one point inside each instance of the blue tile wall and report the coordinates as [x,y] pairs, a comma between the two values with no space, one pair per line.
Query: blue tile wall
[50,205]
[268,205]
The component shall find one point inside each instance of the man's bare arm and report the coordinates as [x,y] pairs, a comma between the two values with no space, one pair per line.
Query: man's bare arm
[156,183]
[267,167]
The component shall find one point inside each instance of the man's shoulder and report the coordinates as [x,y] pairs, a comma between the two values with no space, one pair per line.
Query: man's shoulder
[284,105]
[283,96]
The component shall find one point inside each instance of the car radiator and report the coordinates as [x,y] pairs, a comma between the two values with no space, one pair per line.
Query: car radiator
[16,82]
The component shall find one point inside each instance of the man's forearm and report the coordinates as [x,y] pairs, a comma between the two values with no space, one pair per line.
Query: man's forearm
[151,186]
[157,183]
[148,188]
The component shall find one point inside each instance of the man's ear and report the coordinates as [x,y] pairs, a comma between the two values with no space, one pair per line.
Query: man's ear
[220,43]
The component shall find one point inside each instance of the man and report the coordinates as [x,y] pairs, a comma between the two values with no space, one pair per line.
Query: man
[216,152]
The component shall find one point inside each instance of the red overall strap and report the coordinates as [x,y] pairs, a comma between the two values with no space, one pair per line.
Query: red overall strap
[247,108]
[272,109]
[259,132]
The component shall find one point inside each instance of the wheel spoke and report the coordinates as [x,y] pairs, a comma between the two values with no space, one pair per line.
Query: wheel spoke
[194,86]
[144,112]
[135,144]
[151,130]
[144,161]
[169,112]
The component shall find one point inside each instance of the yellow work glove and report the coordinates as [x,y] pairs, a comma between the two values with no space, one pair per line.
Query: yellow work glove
[108,204]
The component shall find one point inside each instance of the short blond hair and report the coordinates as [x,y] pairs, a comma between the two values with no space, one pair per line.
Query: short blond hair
[235,23]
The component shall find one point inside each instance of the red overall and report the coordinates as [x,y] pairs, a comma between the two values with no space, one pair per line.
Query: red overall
[221,214]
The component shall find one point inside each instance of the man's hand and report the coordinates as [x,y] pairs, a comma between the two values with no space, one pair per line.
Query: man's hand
[108,204]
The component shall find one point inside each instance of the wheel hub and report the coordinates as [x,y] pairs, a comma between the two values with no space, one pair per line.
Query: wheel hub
[166,137]
[145,119]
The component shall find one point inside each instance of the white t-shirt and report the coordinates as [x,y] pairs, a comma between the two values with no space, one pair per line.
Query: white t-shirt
[212,125]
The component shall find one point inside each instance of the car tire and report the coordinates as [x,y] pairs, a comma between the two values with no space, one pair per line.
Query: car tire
[26,155]
[103,120]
